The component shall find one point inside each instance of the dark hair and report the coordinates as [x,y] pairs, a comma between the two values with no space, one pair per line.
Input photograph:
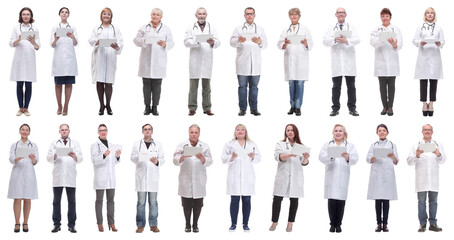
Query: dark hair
[249,8]
[147,124]
[64,124]
[102,125]
[386,11]
[295,130]
[25,125]
[31,15]
[59,11]
[382,126]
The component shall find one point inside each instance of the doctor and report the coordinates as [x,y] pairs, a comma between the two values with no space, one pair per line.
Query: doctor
[296,59]
[240,154]
[104,59]
[200,61]
[153,59]
[23,70]
[148,156]
[382,180]
[386,60]
[427,177]
[343,61]
[248,60]
[105,156]
[193,176]
[64,176]
[64,65]
[22,183]
[289,179]
[337,175]
[429,67]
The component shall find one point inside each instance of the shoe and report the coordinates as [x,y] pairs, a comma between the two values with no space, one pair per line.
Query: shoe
[139,229]
[109,110]
[255,113]
[338,229]
[385,228]
[23,227]
[425,108]
[154,111]
[334,113]
[273,226]
[26,112]
[430,111]
[147,110]
[101,111]
[195,229]
[232,228]
[58,112]
[72,230]
[379,228]
[297,112]
[64,113]
[100,228]
[20,112]
[383,112]
[112,227]
[246,228]
[191,112]
[435,228]
[56,229]
[332,228]
[289,227]
[241,113]
[422,228]
[187,229]
[154,229]
[208,112]
[354,113]
[17,228]
[390,112]
[291,111]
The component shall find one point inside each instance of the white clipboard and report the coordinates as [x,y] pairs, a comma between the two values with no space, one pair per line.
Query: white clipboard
[299,149]
[384,36]
[427,147]
[249,36]
[114,147]
[430,40]
[23,152]
[106,42]
[336,152]
[63,152]
[192,151]
[296,39]
[346,34]
[24,35]
[146,157]
[382,152]
[201,38]
[241,152]
[154,39]
[61,32]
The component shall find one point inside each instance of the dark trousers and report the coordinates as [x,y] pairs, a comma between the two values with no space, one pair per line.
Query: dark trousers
[387,89]
[351,92]
[151,87]
[336,211]
[235,208]
[110,206]
[382,206]
[192,205]
[423,90]
[56,214]
[23,101]
[277,209]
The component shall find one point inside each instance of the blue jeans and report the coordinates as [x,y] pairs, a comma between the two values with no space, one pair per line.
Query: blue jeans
[296,88]
[23,101]
[422,214]
[235,207]
[243,82]
[152,207]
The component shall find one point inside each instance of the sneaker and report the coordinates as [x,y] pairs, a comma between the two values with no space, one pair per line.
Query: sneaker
[232,228]
[246,228]
[435,228]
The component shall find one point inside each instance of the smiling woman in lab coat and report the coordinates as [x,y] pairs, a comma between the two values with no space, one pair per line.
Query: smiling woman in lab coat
[22,184]
[104,59]
[337,175]
[296,59]
[382,180]
[386,60]
[429,67]
[240,154]
[23,70]
[289,179]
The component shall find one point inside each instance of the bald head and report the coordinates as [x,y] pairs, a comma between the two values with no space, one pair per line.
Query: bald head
[341,14]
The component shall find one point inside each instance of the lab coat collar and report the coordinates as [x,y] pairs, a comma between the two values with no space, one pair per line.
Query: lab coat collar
[152,141]
[198,144]
[26,142]
[424,141]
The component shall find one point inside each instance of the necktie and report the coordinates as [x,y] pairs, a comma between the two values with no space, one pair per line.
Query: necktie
[64,141]
[341,26]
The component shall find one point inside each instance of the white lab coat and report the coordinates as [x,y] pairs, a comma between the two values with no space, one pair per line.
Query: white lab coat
[153,58]
[64,62]
[343,55]
[104,59]
[200,54]
[426,167]
[289,180]
[147,173]
[192,179]
[382,180]
[24,61]
[64,173]
[337,170]
[22,183]
[428,63]
[104,168]
[296,55]
[386,57]
[240,175]
[248,54]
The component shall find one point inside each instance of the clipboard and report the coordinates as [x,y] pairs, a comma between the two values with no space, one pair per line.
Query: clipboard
[382,152]
[296,39]
[427,147]
[241,152]
[430,40]
[61,32]
[347,33]
[384,36]
[23,152]
[192,151]
[336,152]
[63,152]
[299,149]
[146,157]
[154,39]
[249,36]
[24,35]
[106,42]
[114,147]
[201,38]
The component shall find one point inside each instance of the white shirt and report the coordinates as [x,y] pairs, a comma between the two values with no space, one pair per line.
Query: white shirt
[147,173]
[64,62]
[24,61]
[386,57]
[104,177]
[289,180]
[428,64]
[22,183]
[64,173]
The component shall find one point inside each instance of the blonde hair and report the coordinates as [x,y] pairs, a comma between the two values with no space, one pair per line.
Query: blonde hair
[106,9]
[343,129]
[245,129]
[433,10]
[294,10]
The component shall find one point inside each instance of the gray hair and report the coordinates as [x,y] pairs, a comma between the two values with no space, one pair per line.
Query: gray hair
[201,8]
[158,10]
[194,126]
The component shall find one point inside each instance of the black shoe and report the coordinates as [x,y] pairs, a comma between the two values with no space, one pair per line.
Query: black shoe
[430,113]
[297,112]
[379,228]
[255,113]
[147,110]
[23,227]
[291,111]
[332,228]
[187,229]
[334,113]
[385,228]
[56,229]
[354,113]
[154,111]
[384,111]
[434,227]
[195,229]
[390,112]
[109,110]
[338,229]
[16,230]
[422,228]
[241,113]
[72,230]
[101,111]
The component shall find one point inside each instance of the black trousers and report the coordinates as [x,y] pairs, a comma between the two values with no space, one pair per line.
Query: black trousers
[351,92]
[387,89]
[151,88]
[277,209]
[192,205]
[423,90]
[56,214]
[382,206]
[336,211]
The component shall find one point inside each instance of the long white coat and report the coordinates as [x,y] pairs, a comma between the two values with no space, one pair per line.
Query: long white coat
[337,170]
[104,59]
[240,175]
[343,55]
[428,63]
[104,177]
[200,54]
[153,58]
[386,57]
[296,56]
[289,180]
[24,61]
[382,180]
[22,183]
[193,176]
[147,173]
[248,54]
[65,172]
[64,62]
[426,167]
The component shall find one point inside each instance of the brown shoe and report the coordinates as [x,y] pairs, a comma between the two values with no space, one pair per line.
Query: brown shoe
[191,112]
[139,229]
[154,229]
[208,112]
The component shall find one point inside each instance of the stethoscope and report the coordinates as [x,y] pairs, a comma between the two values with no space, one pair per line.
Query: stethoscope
[392,144]
[333,142]
[245,27]
[336,28]
[190,145]
[149,27]
[428,27]
[101,27]
[67,26]
[29,29]
[152,143]
[29,145]
[419,142]
[290,28]
[69,141]
[207,23]
[380,29]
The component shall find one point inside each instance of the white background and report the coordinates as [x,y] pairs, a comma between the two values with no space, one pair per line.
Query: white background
[315,125]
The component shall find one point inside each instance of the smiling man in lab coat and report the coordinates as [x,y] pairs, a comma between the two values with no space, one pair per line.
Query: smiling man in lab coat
[200,60]
[342,39]
[64,175]
[427,176]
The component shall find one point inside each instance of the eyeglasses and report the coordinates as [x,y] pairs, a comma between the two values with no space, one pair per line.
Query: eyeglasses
[102,130]
[427,130]
[249,14]
[340,12]
[147,129]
